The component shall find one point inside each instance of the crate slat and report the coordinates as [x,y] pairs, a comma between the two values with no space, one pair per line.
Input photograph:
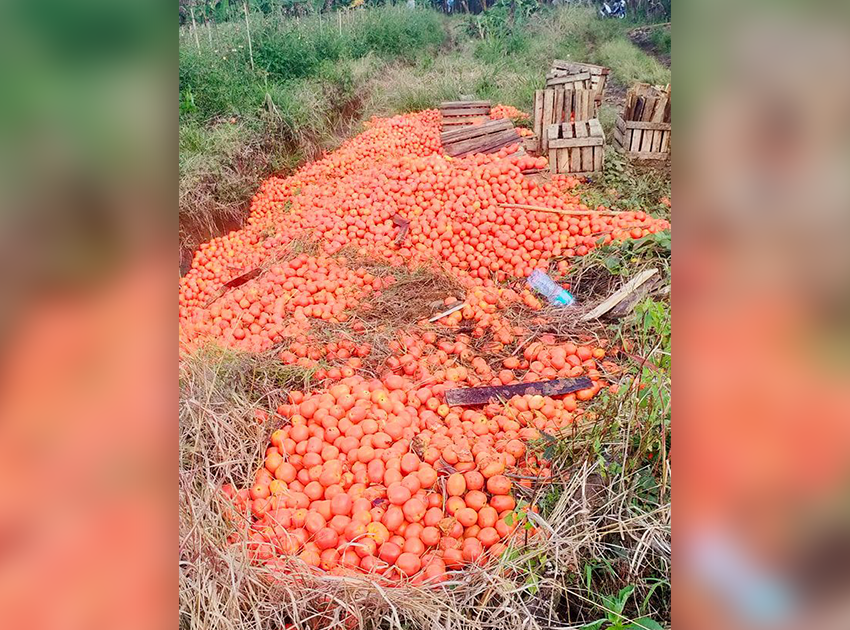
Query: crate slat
[598,157]
[484,138]
[548,108]
[471,131]
[563,143]
[538,115]
[458,104]
[466,111]
[637,124]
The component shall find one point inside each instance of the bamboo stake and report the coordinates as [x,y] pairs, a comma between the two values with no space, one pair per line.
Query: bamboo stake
[209,31]
[248,28]
[195,27]
[569,213]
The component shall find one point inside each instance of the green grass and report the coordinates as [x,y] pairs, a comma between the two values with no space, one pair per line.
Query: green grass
[629,63]
[661,40]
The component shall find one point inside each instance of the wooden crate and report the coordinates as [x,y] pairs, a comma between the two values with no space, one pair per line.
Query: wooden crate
[461,113]
[570,72]
[488,137]
[557,105]
[643,130]
[576,148]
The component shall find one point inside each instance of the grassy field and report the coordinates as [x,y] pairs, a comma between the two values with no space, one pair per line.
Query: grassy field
[316,79]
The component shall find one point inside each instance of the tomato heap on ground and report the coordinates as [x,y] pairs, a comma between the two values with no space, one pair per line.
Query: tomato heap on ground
[350,198]
[379,475]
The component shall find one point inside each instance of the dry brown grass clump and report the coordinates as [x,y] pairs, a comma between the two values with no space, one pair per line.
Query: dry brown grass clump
[589,515]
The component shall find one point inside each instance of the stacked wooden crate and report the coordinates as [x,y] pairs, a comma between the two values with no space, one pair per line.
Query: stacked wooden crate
[576,148]
[578,76]
[462,113]
[488,137]
[643,130]
[558,105]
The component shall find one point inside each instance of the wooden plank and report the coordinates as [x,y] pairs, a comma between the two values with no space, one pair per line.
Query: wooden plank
[558,108]
[596,128]
[473,132]
[586,100]
[648,111]
[648,155]
[637,110]
[665,142]
[618,136]
[470,131]
[637,124]
[483,144]
[569,104]
[548,118]
[538,113]
[620,124]
[570,78]
[482,395]
[563,160]
[658,117]
[583,131]
[619,295]
[575,153]
[575,142]
[466,111]
[517,139]
[450,104]
[549,132]
[464,121]
[637,136]
[649,108]
[598,157]
[553,161]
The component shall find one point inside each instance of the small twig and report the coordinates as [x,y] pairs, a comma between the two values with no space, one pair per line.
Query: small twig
[569,213]
[445,313]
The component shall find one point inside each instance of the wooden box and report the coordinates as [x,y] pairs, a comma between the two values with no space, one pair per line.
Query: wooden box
[553,106]
[461,113]
[576,148]
[578,76]
[488,137]
[643,130]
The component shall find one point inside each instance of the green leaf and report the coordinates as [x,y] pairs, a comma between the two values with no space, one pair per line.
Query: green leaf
[644,624]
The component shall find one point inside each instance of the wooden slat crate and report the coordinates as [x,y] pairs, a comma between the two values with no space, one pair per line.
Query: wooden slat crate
[571,72]
[643,130]
[460,113]
[559,105]
[576,148]
[488,137]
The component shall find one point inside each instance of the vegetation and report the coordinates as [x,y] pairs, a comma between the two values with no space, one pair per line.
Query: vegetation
[315,79]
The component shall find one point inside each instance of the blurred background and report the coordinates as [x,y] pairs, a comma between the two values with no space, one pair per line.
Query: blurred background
[762,284]
[88,353]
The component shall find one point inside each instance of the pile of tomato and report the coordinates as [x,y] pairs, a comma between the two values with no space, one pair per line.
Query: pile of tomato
[372,471]
[380,476]
[356,197]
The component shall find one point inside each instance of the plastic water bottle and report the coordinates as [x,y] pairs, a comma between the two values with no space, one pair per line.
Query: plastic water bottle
[554,293]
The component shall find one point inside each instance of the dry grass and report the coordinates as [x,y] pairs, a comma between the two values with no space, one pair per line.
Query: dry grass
[593,517]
